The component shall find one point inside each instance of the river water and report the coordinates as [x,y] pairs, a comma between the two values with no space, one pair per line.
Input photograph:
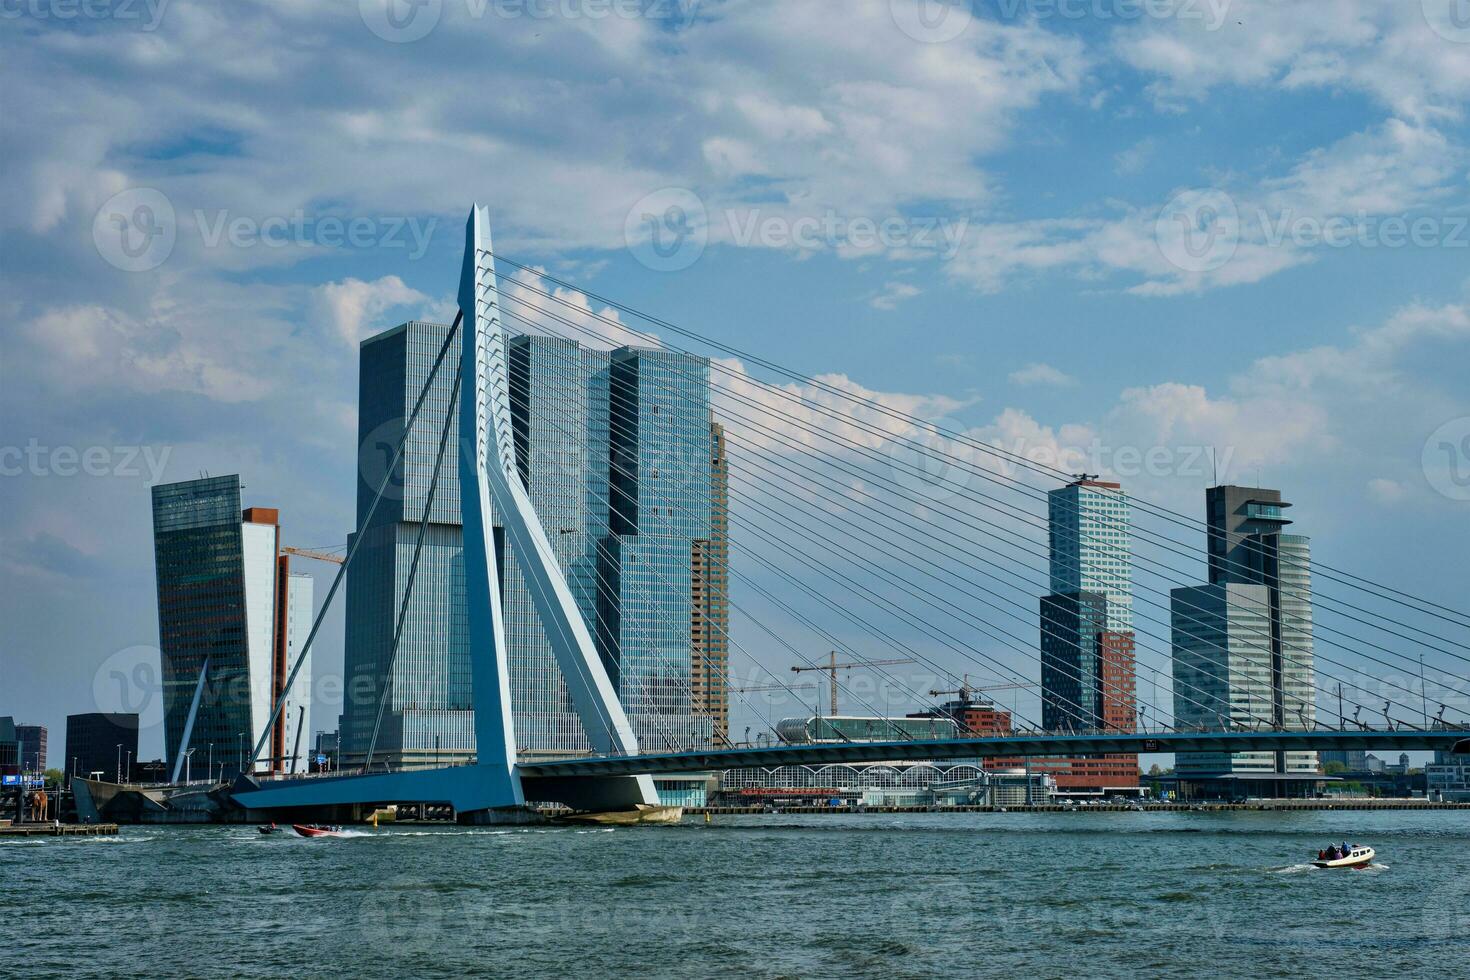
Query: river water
[1064,894]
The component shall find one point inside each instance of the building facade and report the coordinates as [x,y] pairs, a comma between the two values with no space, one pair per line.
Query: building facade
[1088,655]
[224,598]
[1246,639]
[618,458]
[9,747]
[32,740]
[709,628]
[99,742]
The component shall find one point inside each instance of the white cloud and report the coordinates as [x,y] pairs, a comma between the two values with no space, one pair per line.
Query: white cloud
[1041,374]
[892,294]
[355,309]
[1386,492]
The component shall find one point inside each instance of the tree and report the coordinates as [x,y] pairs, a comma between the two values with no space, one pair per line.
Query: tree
[53,777]
[1154,770]
[1333,768]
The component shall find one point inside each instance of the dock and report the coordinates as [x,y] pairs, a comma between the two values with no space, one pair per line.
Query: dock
[65,830]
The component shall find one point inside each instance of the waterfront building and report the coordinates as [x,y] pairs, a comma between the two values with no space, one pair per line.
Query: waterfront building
[32,740]
[9,747]
[620,462]
[1088,656]
[100,742]
[884,784]
[225,597]
[1448,776]
[1243,644]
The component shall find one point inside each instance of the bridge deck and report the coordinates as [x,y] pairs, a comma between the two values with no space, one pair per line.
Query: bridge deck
[1009,746]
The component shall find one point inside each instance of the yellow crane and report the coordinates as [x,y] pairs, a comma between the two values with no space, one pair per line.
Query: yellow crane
[832,667]
[318,555]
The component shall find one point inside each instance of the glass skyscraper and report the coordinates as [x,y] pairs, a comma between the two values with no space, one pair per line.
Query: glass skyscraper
[1088,673]
[224,596]
[1265,646]
[608,448]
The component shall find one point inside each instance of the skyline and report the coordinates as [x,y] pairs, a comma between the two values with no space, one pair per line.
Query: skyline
[1342,421]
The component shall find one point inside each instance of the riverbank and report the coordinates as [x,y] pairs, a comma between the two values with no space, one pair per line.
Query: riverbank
[1213,807]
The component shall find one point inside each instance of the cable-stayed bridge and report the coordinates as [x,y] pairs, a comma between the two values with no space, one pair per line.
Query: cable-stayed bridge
[864,520]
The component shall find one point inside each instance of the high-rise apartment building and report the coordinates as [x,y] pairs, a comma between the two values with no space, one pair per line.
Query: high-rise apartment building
[709,629]
[621,477]
[1250,629]
[1088,673]
[224,598]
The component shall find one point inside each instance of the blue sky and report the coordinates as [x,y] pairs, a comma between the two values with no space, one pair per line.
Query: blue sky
[1061,143]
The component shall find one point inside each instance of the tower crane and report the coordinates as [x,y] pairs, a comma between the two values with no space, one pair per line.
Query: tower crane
[832,667]
[318,555]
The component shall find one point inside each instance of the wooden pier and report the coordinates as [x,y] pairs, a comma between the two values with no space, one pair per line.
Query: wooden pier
[64,830]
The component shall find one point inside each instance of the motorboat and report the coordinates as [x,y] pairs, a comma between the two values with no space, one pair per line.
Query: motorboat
[317,830]
[268,828]
[1357,856]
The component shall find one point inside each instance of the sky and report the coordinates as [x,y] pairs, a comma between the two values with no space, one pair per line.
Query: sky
[1083,230]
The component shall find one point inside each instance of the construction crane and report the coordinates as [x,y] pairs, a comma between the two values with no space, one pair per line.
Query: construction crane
[967,691]
[832,667]
[318,555]
[772,687]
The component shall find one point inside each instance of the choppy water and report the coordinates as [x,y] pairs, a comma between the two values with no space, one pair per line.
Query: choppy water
[1068,895]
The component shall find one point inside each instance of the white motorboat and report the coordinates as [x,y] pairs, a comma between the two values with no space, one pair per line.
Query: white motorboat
[1357,856]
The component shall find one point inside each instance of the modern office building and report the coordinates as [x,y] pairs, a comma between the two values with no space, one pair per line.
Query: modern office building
[618,457]
[225,598]
[1088,657]
[32,739]
[1247,546]
[9,747]
[661,494]
[98,742]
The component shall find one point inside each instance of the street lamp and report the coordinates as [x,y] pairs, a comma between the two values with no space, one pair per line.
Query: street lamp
[189,765]
[119,762]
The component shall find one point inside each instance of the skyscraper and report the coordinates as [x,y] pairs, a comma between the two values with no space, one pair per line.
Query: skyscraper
[709,628]
[223,597]
[661,494]
[1243,643]
[605,459]
[1087,643]
[420,704]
